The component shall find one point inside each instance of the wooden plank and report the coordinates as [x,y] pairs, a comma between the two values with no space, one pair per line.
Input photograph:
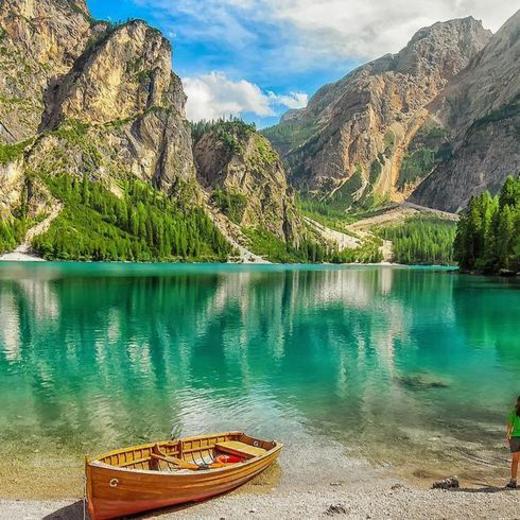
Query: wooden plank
[240,449]
[135,461]
[177,462]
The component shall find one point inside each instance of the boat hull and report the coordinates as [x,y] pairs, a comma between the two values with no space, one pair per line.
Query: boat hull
[113,492]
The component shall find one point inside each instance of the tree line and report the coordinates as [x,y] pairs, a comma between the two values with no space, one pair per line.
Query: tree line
[310,249]
[12,232]
[488,234]
[224,127]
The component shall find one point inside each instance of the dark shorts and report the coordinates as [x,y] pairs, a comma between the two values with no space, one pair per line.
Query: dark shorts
[514,444]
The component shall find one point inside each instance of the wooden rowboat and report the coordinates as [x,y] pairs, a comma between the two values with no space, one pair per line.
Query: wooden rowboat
[156,475]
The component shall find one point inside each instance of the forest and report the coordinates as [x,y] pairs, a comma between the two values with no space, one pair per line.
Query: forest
[488,234]
[421,240]
[142,225]
[310,249]
[145,225]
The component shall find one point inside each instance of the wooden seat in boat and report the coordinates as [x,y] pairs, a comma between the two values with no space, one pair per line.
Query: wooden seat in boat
[239,448]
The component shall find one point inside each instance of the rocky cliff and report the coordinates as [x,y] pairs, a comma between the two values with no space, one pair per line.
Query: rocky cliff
[246,178]
[130,106]
[480,112]
[87,98]
[39,42]
[352,139]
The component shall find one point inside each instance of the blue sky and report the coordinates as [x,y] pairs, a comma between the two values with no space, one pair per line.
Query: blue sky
[258,58]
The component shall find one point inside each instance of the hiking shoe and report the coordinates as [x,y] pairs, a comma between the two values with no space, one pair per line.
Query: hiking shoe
[512,484]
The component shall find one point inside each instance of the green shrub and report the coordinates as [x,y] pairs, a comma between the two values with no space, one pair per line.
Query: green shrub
[233,205]
[389,142]
[415,166]
[376,168]
[11,152]
[12,232]
[429,147]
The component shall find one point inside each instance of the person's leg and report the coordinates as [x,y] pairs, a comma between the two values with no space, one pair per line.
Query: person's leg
[514,465]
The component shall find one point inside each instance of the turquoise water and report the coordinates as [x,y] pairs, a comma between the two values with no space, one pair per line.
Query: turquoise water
[395,364]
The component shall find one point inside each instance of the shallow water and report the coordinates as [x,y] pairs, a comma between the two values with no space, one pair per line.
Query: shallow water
[414,367]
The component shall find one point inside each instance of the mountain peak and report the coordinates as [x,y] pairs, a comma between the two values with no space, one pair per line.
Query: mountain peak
[481,108]
[443,45]
[349,141]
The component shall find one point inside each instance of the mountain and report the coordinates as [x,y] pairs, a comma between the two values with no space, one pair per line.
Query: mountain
[93,133]
[246,177]
[351,142]
[480,111]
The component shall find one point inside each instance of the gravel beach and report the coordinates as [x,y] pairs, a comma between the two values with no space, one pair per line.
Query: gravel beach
[327,483]
[385,499]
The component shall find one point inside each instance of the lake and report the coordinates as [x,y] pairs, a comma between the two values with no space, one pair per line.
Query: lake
[414,368]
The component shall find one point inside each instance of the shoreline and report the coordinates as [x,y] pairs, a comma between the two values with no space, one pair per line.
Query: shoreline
[28,258]
[16,256]
[380,495]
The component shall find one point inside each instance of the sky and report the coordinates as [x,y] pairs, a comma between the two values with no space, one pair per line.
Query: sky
[256,59]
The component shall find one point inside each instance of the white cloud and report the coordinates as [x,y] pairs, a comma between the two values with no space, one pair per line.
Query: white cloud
[366,29]
[319,29]
[292,100]
[214,95]
[206,20]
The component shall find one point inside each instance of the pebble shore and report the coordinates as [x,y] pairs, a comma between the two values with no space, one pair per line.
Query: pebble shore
[384,500]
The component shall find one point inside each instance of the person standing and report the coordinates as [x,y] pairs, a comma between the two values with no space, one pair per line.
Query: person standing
[513,437]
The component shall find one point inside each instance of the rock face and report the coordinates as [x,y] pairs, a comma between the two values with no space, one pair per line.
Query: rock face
[106,95]
[39,41]
[247,178]
[123,89]
[352,138]
[481,112]
[125,72]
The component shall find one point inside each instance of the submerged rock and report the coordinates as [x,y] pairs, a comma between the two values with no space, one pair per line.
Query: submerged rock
[421,382]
